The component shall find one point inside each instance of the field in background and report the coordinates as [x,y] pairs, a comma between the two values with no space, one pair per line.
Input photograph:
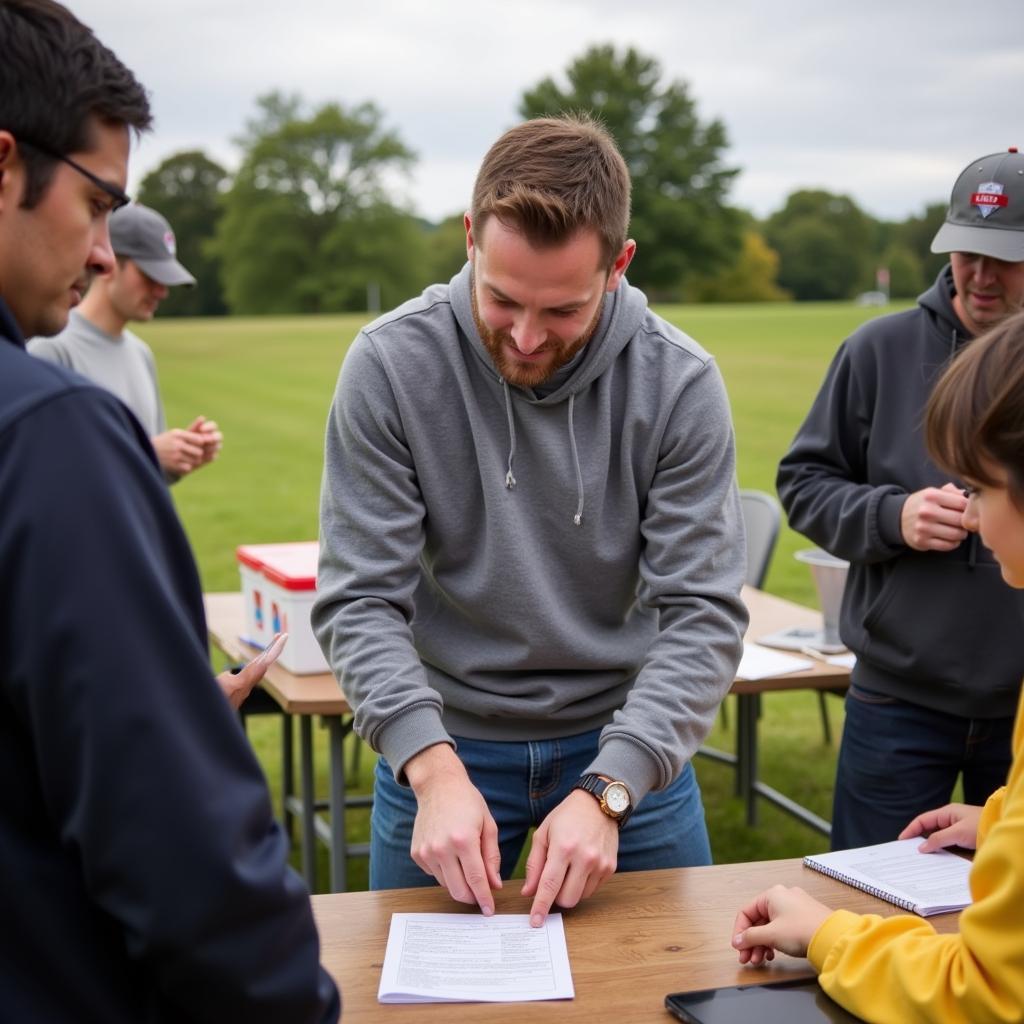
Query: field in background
[269,381]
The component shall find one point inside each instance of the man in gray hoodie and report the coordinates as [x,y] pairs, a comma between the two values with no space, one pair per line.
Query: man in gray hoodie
[532,547]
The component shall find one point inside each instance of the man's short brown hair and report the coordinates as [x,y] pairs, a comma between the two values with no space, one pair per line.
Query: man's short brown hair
[553,177]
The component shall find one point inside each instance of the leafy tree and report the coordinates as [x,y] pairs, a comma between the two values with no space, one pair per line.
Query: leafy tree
[446,246]
[187,189]
[680,219]
[309,183]
[375,259]
[815,261]
[825,244]
[916,233]
[906,277]
[750,279]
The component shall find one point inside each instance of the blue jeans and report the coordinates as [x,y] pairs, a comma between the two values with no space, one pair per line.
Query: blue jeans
[898,759]
[522,783]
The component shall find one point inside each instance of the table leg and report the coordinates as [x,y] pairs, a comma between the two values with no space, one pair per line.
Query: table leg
[746,752]
[287,775]
[338,841]
[308,801]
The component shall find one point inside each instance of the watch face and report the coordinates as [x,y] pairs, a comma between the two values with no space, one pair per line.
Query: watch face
[616,796]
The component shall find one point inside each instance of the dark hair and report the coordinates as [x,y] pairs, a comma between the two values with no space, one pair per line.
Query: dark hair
[975,416]
[56,77]
[551,177]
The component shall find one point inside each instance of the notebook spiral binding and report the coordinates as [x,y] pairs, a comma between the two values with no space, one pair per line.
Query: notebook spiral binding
[857,884]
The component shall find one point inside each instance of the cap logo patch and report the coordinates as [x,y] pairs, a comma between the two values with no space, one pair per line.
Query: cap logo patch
[989,198]
[172,248]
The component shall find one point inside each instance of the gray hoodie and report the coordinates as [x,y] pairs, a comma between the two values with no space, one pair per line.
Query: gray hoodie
[500,564]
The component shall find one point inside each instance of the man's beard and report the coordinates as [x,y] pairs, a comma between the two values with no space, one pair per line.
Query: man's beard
[528,375]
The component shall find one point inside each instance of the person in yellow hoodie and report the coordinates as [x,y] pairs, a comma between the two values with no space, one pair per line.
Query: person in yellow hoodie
[899,969]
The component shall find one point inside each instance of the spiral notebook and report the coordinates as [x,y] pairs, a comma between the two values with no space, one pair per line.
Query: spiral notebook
[926,883]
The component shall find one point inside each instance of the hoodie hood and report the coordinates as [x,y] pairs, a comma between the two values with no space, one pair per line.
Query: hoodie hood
[622,313]
[938,302]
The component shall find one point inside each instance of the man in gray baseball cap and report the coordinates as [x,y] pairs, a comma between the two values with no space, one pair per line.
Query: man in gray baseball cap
[925,609]
[142,235]
[96,344]
[984,235]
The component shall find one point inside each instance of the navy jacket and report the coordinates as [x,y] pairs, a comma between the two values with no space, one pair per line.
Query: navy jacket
[143,876]
[937,629]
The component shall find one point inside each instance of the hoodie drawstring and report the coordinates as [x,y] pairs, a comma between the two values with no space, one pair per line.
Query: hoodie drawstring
[510,480]
[578,518]
[972,539]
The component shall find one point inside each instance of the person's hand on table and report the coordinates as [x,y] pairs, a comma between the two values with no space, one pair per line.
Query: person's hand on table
[454,837]
[932,518]
[952,825]
[574,850]
[236,686]
[783,918]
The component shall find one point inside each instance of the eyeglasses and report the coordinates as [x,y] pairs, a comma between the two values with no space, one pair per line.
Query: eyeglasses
[120,197]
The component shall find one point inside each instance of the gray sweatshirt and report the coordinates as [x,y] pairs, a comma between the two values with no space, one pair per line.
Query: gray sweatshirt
[122,364]
[500,564]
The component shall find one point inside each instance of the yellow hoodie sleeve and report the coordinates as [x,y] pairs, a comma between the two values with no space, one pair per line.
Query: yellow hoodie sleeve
[899,970]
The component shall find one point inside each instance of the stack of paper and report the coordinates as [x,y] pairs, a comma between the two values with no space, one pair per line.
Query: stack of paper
[456,958]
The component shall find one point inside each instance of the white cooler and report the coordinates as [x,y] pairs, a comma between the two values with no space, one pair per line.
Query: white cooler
[278,590]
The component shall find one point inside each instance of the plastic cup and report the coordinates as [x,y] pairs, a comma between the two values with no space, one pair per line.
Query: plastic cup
[829,575]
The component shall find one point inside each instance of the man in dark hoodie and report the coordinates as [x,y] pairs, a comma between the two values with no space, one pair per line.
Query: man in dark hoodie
[532,547]
[925,610]
[144,877]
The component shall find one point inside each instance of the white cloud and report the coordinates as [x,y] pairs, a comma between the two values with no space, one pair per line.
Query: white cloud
[883,101]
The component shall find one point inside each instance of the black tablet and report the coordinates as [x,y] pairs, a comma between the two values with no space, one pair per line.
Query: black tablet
[780,1002]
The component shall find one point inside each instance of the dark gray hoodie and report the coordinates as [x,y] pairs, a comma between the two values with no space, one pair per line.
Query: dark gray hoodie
[498,564]
[938,629]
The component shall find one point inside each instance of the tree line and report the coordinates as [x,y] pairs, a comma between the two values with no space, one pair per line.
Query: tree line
[309,223]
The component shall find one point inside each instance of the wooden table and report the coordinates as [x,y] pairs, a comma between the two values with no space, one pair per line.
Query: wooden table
[306,696]
[641,936]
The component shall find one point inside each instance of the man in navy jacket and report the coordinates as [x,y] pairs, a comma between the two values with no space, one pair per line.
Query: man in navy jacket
[144,878]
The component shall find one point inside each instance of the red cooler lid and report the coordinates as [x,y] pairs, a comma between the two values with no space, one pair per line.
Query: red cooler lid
[292,566]
[255,556]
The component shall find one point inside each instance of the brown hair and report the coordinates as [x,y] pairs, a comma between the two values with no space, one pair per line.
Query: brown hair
[552,177]
[975,416]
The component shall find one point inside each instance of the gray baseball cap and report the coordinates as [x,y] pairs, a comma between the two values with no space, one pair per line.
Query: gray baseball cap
[986,209]
[145,237]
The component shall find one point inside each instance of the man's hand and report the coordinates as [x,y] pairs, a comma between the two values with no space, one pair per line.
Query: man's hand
[182,451]
[952,825]
[780,918]
[454,837]
[236,686]
[574,850]
[179,451]
[213,439]
[932,519]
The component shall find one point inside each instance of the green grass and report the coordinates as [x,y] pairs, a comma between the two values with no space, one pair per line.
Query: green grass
[269,381]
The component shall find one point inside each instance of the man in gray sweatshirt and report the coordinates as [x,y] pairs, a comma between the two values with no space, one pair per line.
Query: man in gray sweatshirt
[532,547]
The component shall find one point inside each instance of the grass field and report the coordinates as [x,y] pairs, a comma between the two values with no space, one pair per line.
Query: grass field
[269,381]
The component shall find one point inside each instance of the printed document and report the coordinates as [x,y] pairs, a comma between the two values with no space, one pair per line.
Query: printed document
[455,958]
[761,663]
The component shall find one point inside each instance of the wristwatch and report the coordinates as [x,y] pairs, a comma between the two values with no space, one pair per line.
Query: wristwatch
[613,796]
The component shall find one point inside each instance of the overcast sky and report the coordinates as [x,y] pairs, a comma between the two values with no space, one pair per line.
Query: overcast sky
[884,100]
